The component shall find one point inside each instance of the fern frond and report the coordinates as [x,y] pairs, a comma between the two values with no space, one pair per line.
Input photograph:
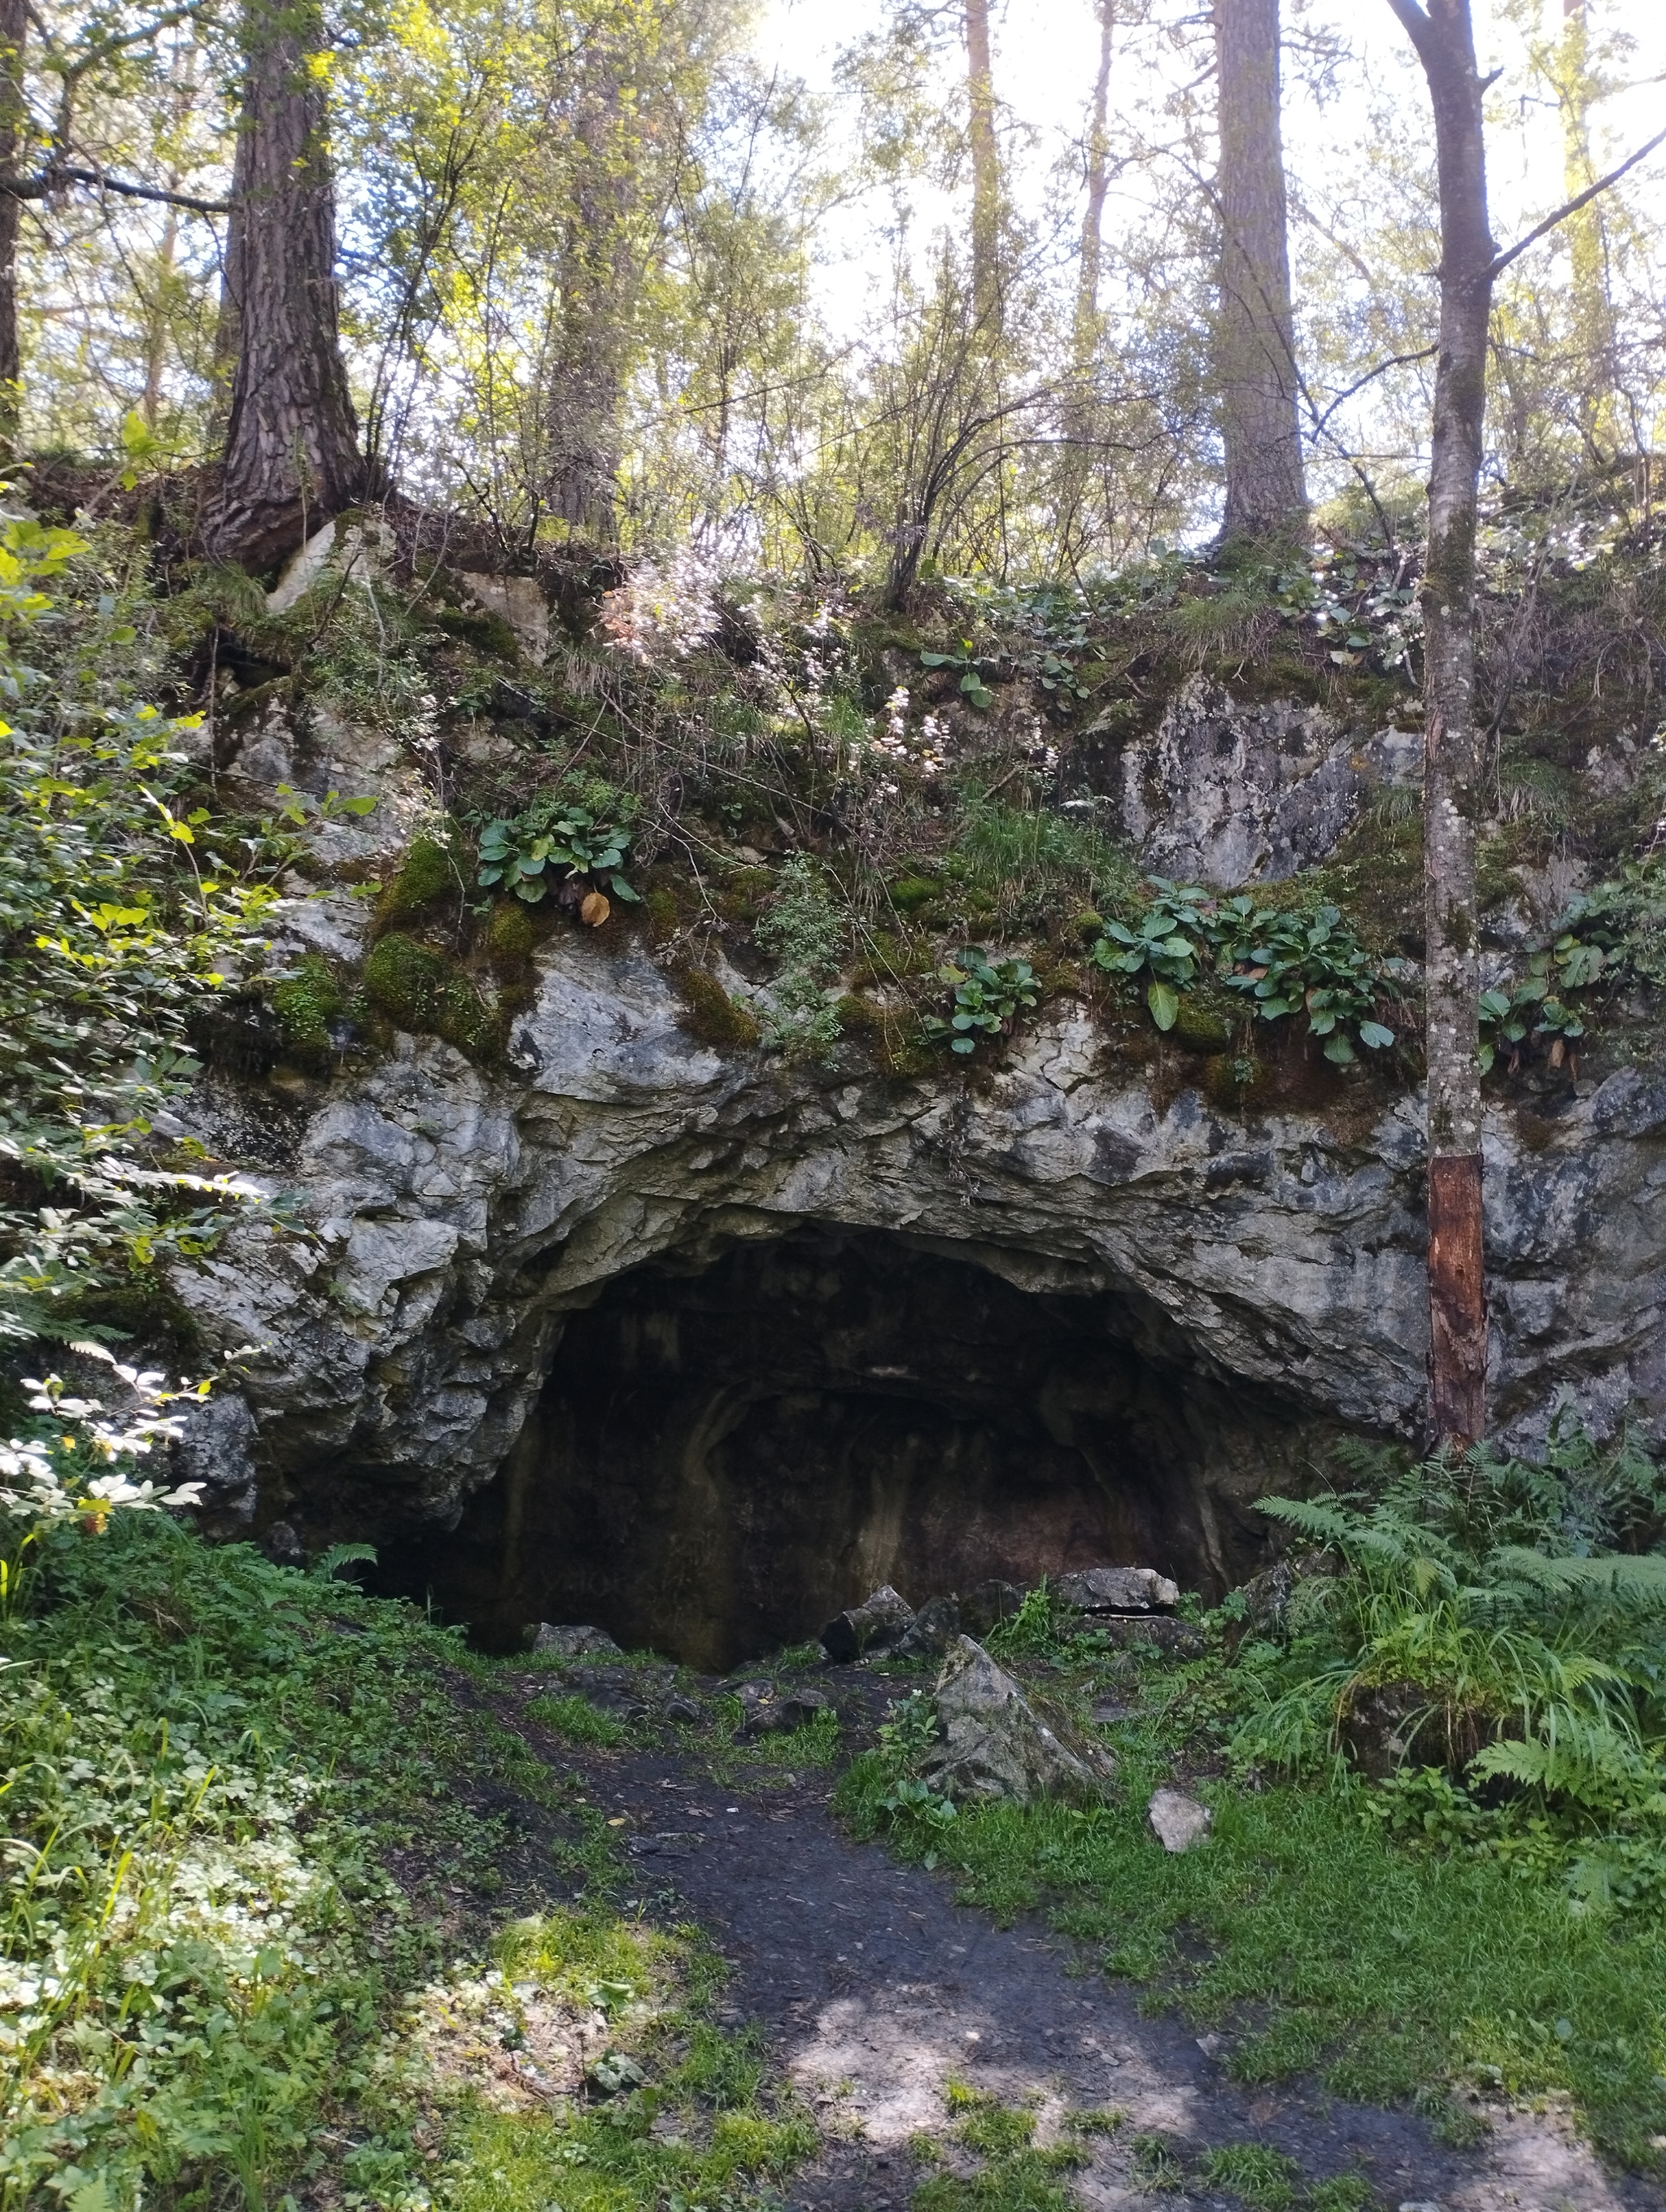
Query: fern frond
[1637,1584]
[329,1564]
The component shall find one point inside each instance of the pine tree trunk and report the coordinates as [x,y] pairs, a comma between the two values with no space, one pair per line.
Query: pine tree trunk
[291,452]
[986,170]
[1457,1292]
[1254,330]
[14,137]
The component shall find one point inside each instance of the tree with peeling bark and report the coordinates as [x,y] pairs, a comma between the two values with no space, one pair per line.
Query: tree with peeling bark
[1254,349]
[292,457]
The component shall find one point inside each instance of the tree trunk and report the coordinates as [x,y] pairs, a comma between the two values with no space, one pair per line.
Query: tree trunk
[600,281]
[14,134]
[1457,1297]
[1597,377]
[986,170]
[1254,331]
[1087,286]
[291,451]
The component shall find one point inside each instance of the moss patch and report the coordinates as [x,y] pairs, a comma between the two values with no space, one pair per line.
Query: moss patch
[710,1013]
[430,870]
[422,991]
[306,1002]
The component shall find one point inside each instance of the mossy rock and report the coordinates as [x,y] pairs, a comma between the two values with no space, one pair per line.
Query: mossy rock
[305,1003]
[710,1014]
[141,1310]
[430,870]
[419,990]
[487,633]
[510,936]
[1200,1029]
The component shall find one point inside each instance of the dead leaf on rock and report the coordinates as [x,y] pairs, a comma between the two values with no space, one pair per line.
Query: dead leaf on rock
[595,910]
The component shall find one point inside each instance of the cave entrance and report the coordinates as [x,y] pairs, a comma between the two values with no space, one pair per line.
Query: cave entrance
[723,1457]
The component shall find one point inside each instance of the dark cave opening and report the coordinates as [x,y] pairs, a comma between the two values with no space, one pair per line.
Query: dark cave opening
[722,1458]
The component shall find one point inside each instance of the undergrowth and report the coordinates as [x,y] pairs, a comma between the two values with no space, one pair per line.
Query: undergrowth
[1497,1926]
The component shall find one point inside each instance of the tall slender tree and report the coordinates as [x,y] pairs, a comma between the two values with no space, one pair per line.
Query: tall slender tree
[987,285]
[1097,181]
[1445,40]
[1593,309]
[292,455]
[1254,331]
[14,133]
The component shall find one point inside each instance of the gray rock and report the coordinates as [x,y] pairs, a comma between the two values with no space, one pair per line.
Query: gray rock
[995,1742]
[879,1623]
[772,1711]
[1151,1632]
[1117,1589]
[1178,1821]
[931,1632]
[1225,791]
[986,1605]
[573,1643]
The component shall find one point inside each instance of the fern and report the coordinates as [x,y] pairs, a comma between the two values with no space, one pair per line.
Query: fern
[330,1563]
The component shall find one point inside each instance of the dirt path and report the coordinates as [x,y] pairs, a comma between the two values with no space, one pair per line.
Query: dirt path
[874,1989]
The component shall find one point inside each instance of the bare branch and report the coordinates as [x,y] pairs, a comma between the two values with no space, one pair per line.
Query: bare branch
[63,172]
[1502,261]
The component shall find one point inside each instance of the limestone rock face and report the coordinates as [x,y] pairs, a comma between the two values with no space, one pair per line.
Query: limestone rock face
[995,1744]
[1223,792]
[455,1219]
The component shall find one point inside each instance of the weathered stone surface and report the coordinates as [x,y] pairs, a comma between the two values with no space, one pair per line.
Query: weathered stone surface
[996,1744]
[877,1623]
[988,1602]
[1117,1589]
[772,1711]
[456,1218]
[574,1643]
[1223,792]
[1155,1632]
[1178,1821]
[931,1632]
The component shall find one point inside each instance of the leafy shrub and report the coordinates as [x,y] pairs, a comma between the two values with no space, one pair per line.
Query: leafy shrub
[1280,962]
[119,915]
[989,995]
[583,834]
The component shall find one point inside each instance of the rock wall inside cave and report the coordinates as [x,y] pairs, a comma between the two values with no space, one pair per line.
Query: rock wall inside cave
[724,1457]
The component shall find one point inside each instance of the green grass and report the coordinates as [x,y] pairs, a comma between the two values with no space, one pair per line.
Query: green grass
[1015,2175]
[242,1889]
[579,1720]
[1327,1947]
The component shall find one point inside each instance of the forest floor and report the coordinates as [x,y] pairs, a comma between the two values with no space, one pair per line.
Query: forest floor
[892,2008]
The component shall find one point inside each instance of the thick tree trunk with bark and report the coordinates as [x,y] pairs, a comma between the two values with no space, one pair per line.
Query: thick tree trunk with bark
[1254,330]
[291,452]
[1457,1301]
[14,127]
[986,170]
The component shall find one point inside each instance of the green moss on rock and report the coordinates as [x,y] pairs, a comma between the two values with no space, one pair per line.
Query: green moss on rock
[419,990]
[305,1003]
[710,1014]
[430,870]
